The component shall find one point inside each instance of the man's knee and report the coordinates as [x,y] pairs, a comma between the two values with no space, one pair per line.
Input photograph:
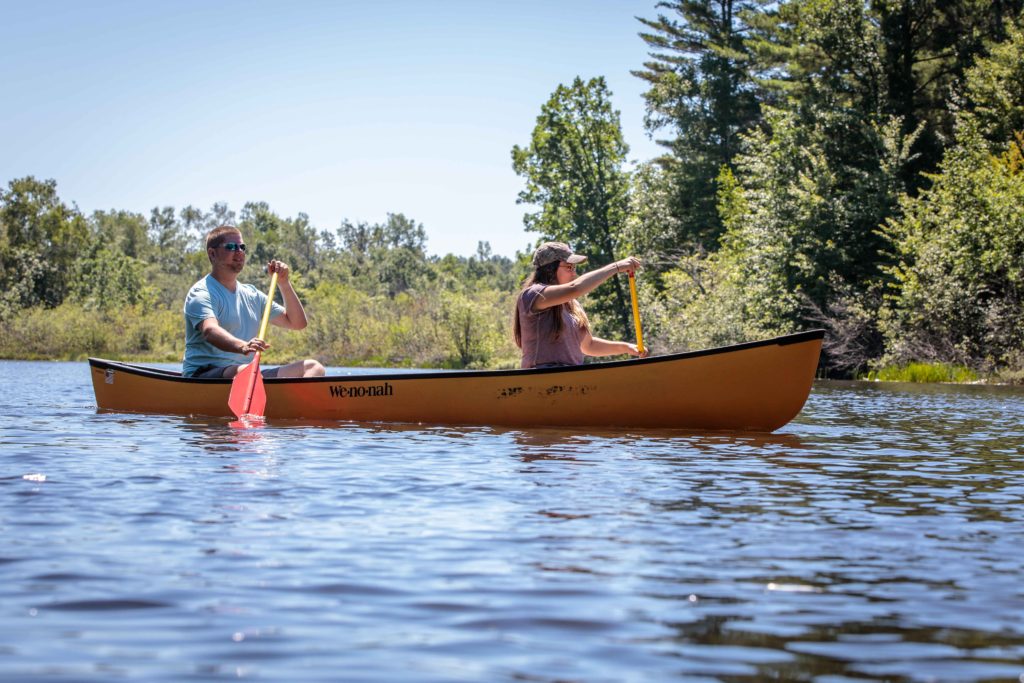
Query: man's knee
[313,368]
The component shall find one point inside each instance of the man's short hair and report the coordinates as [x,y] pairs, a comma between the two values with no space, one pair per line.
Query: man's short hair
[214,238]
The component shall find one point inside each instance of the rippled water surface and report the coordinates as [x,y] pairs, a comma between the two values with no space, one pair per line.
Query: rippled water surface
[880,536]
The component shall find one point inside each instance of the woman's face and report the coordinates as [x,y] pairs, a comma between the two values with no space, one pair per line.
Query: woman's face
[566,272]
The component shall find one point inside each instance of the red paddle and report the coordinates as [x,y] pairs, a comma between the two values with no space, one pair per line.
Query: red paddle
[248,397]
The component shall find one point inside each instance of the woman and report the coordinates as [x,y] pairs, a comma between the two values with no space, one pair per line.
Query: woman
[550,326]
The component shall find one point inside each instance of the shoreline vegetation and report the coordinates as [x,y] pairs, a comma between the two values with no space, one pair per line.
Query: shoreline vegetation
[73,334]
[800,187]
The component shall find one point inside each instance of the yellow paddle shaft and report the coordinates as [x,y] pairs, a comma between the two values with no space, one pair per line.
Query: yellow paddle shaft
[636,313]
[270,305]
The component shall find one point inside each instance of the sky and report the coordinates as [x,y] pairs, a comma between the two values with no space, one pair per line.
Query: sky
[337,109]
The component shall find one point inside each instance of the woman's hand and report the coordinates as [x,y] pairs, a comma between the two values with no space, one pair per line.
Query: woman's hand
[627,265]
[633,350]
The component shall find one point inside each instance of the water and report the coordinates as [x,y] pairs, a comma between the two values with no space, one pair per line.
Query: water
[880,536]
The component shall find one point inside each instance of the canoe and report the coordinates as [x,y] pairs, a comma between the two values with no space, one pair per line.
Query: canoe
[758,386]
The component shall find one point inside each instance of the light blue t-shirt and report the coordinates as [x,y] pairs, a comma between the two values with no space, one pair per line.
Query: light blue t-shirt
[239,312]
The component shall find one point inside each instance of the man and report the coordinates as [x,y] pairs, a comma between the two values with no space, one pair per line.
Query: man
[223,316]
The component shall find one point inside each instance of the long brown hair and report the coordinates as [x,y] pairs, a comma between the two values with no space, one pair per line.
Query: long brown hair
[548,275]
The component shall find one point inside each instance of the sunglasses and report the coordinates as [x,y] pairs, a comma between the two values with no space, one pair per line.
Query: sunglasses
[234,246]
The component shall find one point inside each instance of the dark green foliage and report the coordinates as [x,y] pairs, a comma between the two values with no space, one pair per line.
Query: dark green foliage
[898,59]
[702,94]
[957,293]
[859,102]
[40,238]
[927,47]
[994,90]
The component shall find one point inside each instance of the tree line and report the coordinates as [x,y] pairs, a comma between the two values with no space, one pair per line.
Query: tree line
[826,163]
[113,284]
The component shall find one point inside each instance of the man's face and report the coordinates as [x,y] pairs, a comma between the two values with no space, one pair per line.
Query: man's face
[230,253]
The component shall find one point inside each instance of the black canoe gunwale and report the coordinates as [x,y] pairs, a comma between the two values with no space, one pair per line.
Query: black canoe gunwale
[175,376]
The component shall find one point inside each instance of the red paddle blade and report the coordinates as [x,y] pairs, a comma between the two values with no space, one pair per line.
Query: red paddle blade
[258,405]
[248,397]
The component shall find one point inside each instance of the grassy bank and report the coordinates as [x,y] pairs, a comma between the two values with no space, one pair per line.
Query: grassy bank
[924,372]
[345,331]
[363,334]
[71,332]
[943,373]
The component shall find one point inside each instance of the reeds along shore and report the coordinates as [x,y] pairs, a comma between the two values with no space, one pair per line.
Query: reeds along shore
[73,333]
[390,337]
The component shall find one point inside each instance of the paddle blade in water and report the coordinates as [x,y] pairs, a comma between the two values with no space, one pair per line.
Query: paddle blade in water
[248,397]
[247,422]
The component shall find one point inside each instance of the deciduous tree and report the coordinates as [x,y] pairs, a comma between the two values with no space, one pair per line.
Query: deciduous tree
[573,168]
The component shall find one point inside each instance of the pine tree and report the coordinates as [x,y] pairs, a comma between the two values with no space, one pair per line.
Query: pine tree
[700,93]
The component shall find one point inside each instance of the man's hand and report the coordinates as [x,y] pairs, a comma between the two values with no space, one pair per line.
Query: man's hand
[253,345]
[279,267]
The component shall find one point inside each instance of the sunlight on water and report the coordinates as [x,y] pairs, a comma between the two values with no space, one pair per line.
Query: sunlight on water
[878,537]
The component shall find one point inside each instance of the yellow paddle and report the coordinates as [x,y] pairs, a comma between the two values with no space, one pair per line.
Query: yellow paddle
[636,313]
[248,397]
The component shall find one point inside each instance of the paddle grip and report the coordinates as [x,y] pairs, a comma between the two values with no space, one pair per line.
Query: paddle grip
[270,305]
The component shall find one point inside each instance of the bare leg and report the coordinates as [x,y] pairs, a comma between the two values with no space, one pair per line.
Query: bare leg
[231,370]
[302,368]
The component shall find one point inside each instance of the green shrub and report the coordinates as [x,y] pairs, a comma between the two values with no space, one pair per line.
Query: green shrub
[924,372]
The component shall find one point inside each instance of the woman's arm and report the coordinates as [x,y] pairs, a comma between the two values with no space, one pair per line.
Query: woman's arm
[553,295]
[595,346]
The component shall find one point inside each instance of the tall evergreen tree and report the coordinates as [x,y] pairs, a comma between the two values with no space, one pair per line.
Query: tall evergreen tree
[701,93]
[958,280]
[928,46]
[879,60]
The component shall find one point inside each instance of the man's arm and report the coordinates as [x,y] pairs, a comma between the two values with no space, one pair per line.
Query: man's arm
[294,317]
[216,335]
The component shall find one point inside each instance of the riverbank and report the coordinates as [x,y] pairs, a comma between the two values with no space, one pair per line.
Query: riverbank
[943,373]
[74,333]
[394,338]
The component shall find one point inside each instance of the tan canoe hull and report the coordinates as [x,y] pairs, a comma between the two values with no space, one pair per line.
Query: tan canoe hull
[758,386]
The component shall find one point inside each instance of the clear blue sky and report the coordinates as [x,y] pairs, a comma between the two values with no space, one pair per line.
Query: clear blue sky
[341,110]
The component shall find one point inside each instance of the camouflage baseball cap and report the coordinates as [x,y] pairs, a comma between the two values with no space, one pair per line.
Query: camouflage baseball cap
[549,252]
